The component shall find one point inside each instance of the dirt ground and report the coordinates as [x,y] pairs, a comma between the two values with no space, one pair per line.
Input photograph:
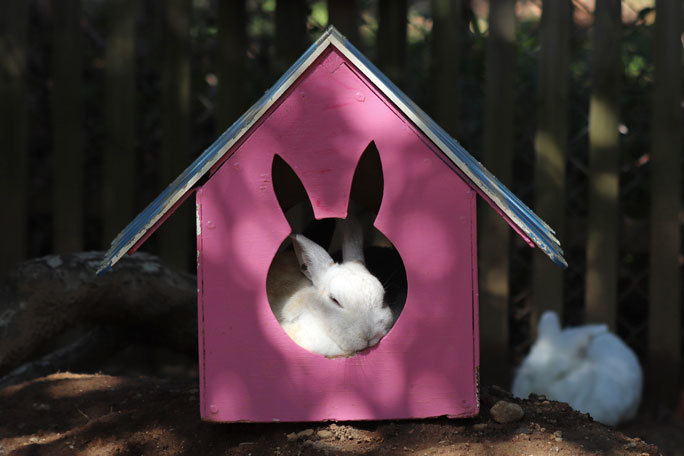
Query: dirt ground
[65,414]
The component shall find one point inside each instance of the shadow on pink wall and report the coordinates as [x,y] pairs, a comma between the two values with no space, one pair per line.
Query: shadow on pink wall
[427,364]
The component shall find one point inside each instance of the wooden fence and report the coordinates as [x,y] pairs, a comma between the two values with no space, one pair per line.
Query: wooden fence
[76,95]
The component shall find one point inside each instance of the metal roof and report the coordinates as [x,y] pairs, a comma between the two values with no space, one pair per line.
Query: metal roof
[515,210]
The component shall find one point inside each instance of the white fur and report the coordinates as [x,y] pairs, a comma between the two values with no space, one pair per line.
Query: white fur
[302,300]
[588,367]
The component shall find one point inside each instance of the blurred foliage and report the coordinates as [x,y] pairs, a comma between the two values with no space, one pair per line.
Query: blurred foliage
[319,13]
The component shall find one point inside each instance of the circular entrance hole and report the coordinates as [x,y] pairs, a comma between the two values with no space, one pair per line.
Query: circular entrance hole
[332,305]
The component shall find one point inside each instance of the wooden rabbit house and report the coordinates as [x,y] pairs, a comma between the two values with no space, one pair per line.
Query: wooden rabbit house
[328,112]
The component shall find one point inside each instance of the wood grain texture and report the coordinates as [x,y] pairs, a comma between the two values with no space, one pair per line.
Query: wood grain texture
[67,128]
[119,154]
[446,45]
[603,219]
[664,342]
[13,130]
[497,157]
[344,15]
[174,240]
[551,144]
[426,365]
[292,37]
[392,23]
[231,61]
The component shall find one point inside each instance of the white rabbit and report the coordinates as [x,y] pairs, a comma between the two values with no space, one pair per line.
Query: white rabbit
[333,309]
[588,367]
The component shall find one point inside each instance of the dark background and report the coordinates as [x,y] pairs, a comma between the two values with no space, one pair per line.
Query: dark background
[575,106]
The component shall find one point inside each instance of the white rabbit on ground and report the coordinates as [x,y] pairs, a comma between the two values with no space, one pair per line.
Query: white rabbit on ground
[333,309]
[588,367]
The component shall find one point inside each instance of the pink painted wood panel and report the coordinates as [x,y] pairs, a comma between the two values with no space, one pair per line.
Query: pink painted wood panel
[427,364]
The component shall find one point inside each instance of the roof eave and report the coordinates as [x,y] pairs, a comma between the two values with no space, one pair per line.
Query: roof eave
[141,228]
[521,218]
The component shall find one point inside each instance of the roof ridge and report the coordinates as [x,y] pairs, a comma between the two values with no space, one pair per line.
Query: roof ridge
[514,210]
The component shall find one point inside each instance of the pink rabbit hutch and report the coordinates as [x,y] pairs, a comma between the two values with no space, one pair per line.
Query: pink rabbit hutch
[320,117]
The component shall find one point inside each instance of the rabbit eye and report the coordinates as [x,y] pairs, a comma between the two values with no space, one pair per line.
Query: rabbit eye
[336,302]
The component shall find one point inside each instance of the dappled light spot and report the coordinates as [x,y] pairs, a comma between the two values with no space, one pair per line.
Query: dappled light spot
[72,385]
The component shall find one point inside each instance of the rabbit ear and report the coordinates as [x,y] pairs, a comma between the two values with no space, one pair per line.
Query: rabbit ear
[352,240]
[548,324]
[367,184]
[289,192]
[312,258]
